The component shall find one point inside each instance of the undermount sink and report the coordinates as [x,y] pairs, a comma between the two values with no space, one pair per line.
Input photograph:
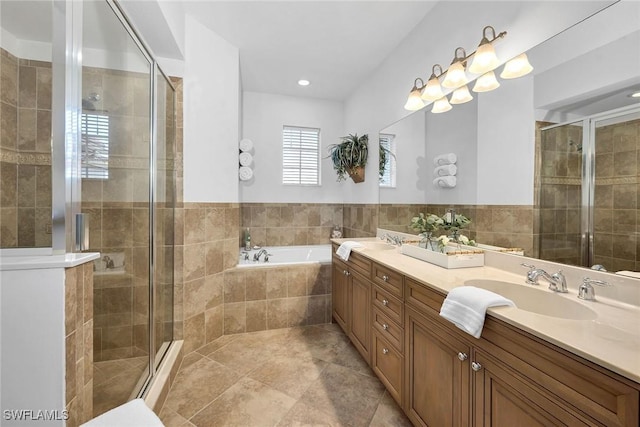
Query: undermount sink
[378,246]
[537,301]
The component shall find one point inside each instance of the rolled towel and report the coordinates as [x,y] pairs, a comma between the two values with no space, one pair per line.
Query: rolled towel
[445,159]
[445,181]
[466,307]
[134,413]
[246,144]
[445,170]
[245,173]
[345,249]
[245,158]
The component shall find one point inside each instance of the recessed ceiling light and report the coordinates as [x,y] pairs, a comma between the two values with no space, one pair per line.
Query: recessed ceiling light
[304,82]
[635,95]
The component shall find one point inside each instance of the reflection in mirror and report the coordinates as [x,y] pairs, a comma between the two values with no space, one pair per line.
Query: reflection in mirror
[531,196]
[25,128]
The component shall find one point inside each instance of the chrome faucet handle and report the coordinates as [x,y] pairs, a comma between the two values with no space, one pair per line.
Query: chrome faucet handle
[529,266]
[530,280]
[586,290]
[559,279]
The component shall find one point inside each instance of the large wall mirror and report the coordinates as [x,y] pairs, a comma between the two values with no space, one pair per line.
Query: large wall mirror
[548,163]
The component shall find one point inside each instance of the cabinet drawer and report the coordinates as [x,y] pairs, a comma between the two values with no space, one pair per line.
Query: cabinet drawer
[387,364]
[388,279]
[422,297]
[388,329]
[389,305]
[360,264]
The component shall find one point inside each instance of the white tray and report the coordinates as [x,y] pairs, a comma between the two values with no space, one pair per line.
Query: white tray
[453,258]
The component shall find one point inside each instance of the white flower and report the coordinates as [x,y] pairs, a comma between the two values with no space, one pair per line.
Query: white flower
[463,239]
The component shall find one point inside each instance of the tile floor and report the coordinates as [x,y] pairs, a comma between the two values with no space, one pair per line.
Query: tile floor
[286,377]
[114,380]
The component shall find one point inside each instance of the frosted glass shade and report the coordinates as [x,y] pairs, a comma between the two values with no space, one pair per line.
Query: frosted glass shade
[484,60]
[414,102]
[516,67]
[455,76]
[432,90]
[441,105]
[461,95]
[486,83]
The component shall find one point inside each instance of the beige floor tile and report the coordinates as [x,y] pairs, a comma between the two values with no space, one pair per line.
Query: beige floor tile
[389,414]
[172,419]
[242,355]
[350,358]
[289,375]
[247,403]
[217,344]
[305,415]
[197,385]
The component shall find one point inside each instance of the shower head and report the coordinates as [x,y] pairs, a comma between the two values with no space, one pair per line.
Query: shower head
[88,103]
[577,145]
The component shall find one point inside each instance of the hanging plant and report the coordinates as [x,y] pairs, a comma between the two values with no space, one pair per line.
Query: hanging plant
[349,157]
[384,154]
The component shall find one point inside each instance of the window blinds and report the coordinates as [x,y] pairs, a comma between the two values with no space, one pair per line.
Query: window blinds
[300,156]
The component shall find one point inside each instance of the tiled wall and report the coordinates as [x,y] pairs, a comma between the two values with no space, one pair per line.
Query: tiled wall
[359,220]
[78,323]
[286,224]
[25,152]
[260,298]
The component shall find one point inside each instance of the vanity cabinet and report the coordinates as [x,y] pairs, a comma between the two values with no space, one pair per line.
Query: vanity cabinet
[340,293]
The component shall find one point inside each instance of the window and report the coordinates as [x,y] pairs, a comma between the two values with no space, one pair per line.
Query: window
[95,146]
[300,156]
[387,143]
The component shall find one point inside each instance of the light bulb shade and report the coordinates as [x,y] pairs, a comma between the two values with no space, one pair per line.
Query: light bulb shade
[414,102]
[432,90]
[461,95]
[516,67]
[455,76]
[486,83]
[484,60]
[441,105]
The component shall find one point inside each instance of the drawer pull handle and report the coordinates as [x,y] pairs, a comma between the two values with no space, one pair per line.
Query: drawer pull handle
[385,326]
[476,366]
[462,356]
[385,278]
[385,302]
[346,273]
[385,351]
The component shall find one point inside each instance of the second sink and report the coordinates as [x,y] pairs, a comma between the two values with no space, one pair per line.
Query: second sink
[536,301]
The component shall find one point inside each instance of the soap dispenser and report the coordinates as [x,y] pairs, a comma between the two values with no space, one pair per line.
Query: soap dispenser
[247,240]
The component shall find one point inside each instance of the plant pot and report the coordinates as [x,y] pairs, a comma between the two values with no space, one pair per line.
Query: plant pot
[356,174]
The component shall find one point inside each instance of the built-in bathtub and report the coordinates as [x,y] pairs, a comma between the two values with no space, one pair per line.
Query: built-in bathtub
[286,255]
[292,289]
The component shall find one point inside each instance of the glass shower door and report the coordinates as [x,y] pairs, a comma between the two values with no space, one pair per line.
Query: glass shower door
[115,171]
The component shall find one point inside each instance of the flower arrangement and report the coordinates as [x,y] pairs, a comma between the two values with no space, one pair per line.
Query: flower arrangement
[459,222]
[426,223]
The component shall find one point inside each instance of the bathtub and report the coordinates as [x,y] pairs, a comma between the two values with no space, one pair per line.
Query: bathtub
[288,255]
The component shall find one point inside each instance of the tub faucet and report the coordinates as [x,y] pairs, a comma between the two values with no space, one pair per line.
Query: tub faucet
[108,261]
[256,257]
[557,281]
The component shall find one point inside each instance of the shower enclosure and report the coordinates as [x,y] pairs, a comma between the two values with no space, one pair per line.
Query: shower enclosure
[589,191]
[88,134]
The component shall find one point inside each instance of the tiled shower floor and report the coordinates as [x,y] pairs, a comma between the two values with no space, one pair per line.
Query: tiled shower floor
[287,377]
[114,380]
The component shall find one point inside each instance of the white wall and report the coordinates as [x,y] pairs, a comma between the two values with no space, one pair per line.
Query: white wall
[211,116]
[264,115]
[379,100]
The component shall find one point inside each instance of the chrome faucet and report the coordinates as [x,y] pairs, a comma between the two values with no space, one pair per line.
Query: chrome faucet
[586,290]
[394,240]
[557,281]
[256,257]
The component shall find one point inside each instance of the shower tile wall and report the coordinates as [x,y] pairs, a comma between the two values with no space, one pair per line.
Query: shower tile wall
[359,220]
[286,224]
[616,217]
[25,152]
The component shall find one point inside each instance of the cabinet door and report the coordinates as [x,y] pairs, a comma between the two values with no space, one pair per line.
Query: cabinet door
[437,374]
[504,399]
[340,294]
[360,315]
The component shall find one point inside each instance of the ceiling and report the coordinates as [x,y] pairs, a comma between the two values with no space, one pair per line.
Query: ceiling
[333,44]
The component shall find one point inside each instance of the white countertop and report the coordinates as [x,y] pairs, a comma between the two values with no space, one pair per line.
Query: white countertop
[30,262]
[611,340]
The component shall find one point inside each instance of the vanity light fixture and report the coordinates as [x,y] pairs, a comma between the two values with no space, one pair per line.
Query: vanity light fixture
[635,95]
[456,75]
[414,102]
[303,82]
[461,95]
[484,62]
[432,90]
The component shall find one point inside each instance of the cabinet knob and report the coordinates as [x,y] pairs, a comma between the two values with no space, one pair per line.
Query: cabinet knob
[385,302]
[385,278]
[346,273]
[385,326]
[385,350]
[476,366]
[462,356]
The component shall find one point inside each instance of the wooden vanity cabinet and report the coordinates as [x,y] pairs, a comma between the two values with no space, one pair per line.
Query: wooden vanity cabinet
[340,293]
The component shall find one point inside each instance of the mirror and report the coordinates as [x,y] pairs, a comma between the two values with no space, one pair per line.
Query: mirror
[521,194]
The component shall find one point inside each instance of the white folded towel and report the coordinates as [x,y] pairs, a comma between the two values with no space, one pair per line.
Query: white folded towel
[245,159]
[245,173]
[445,159]
[246,145]
[445,170]
[445,181]
[466,307]
[345,249]
[131,414]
